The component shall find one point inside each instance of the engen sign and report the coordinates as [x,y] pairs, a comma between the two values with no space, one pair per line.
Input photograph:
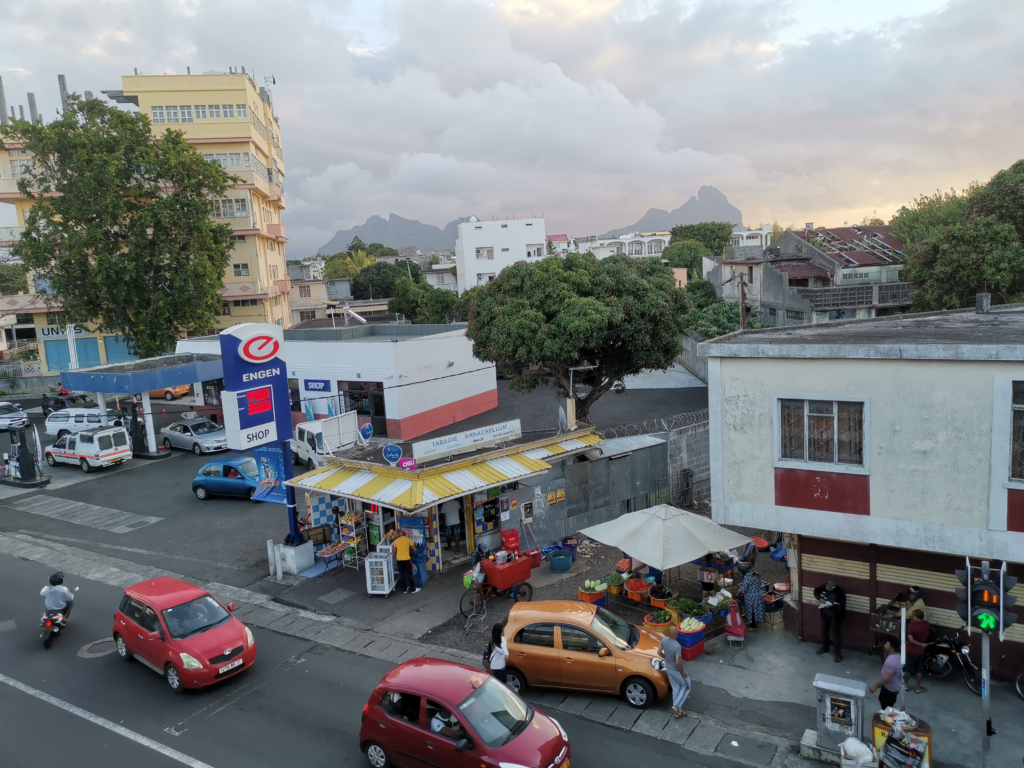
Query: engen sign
[257,410]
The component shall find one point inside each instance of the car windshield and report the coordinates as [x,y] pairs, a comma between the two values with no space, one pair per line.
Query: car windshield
[81,401]
[194,617]
[206,428]
[614,630]
[8,408]
[495,713]
[320,441]
[249,468]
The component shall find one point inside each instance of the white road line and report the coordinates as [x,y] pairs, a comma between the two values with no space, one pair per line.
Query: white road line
[138,738]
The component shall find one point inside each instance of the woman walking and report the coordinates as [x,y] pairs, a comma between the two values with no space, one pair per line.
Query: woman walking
[672,653]
[753,595]
[497,653]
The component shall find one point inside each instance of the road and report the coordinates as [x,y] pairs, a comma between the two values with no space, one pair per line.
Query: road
[299,705]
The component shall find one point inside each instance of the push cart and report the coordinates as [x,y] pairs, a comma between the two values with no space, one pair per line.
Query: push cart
[499,580]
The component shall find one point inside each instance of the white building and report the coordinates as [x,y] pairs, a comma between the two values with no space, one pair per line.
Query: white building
[743,237]
[638,244]
[484,248]
[440,276]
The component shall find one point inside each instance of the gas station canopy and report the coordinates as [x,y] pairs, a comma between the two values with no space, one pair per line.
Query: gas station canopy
[144,375]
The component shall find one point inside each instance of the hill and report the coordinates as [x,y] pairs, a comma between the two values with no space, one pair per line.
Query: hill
[396,232]
[708,205]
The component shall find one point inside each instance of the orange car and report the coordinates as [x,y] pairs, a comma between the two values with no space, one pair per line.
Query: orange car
[169,393]
[582,647]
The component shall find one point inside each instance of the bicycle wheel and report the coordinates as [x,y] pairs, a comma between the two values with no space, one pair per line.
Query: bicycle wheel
[972,676]
[1020,685]
[522,593]
[471,604]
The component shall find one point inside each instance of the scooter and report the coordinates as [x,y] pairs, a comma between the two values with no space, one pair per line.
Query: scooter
[944,652]
[51,624]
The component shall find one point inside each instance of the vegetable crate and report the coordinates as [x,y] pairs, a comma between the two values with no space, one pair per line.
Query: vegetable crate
[690,639]
[506,576]
[692,652]
[591,597]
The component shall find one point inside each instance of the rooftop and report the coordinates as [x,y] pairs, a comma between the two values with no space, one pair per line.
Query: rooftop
[953,335]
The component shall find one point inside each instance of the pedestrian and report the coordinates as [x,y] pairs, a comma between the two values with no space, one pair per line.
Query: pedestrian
[914,602]
[888,684]
[832,604]
[404,548]
[917,642]
[450,510]
[753,595]
[496,654]
[672,653]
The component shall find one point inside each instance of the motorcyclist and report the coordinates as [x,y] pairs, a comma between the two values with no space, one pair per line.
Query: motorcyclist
[57,597]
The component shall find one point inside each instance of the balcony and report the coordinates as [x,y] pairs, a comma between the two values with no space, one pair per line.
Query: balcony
[9,186]
[252,290]
[845,297]
[276,230]
[9,234]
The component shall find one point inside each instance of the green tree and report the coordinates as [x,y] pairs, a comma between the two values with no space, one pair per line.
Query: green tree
[407,298]
[379,251]
[619,314]
[120,224]
[714,320]
[778,230]
[688,254]
[438,306]
[378,281]
[347,264]
[872,220]
[699,293]
[926,216]
[356,245]
[713,235]
[13,278]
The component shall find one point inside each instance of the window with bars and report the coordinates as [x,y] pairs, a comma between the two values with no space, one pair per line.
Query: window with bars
[214,110]
[824,431]
[1017,448]
[241,270]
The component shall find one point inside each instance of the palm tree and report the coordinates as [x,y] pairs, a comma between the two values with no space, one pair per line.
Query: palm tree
[358,261]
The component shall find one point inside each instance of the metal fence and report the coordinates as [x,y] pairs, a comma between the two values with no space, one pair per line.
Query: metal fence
[676,490]
[667,424]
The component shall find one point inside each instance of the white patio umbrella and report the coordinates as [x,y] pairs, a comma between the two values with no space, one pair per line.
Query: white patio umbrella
[664,536]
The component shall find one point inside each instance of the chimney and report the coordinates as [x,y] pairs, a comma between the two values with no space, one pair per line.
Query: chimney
[3,104]
[63,85]
[33,111]
[982,303]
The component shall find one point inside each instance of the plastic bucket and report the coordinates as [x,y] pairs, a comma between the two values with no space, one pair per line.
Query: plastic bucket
[500,557]
[571,548]
[660,628]
[561,561]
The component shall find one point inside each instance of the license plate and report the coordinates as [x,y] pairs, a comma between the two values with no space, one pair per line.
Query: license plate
[565,764]
[232,665]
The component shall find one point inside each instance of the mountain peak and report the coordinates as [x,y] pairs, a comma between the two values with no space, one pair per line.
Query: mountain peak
[708,205]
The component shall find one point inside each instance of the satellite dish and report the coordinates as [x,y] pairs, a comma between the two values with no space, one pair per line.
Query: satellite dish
[563,422]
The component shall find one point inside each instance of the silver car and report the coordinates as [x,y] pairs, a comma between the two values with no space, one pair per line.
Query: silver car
[197,435]
[12,416]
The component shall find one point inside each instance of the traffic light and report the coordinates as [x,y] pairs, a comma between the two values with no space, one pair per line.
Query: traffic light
[1006,600]
[985,600]
[964,608]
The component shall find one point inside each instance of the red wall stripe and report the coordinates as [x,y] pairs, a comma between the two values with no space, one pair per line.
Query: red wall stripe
[826,491]
[1015,510]
[437,418]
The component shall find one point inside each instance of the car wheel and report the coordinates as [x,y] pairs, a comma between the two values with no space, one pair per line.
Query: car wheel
[196,449]
[377,756]
[251,493]
[84,464]
[50,460]
[122,649]
[167,443]
[201,493]
[168,396]
[310,465]
[515,680]
[638,692]
[174,679]
[295,459]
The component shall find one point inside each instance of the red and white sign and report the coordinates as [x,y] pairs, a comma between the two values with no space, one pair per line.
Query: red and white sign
[259,348]
[407,463]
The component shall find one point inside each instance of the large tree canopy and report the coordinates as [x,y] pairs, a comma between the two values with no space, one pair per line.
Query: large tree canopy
[713,235]
[689,254]
[962,244]
[422,303]
[619,314]
[346,264]
[120,224]
[378,281]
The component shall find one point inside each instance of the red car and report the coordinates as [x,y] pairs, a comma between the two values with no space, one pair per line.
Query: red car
[182,632]
[432,712]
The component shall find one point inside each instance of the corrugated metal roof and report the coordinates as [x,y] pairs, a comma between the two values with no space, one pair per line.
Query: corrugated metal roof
[571,444]
[620,445]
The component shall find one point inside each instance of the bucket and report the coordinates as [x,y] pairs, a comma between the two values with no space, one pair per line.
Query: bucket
[690,639]
[561,561]
[500,557]
[571,548]
[660,628]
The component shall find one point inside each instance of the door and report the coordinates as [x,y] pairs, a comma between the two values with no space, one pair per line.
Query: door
[400,730]
[583,668]
[440,744]
[212,479]
[79,422]
[57,449]
[377,416]
[533,653]
[138,617]
[184,437]
[69,455]
[233,482]
[156,652]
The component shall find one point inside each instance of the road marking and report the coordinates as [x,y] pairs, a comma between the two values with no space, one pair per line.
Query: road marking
[138,738]
[80,513]
[7,626]
[97,648]
[204,561]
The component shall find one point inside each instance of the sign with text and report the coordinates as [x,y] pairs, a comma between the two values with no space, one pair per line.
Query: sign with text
[470,440]
[257,407]
[392,453]
[317,385]
[407,463]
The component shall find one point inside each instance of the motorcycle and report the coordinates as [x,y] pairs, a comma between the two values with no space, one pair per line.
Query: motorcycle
[943,653]
[51,624]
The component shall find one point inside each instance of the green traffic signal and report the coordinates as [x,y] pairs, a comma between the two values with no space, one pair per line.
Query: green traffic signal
[986,622]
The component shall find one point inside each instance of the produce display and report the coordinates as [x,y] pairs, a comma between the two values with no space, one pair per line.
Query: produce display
[691,625]
[594,586]
[688,606]
[613,580]
[660,617]
[623,565]
[637,585]
[661,592]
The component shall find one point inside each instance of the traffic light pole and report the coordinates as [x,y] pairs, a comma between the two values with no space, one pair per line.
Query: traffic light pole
[986,738]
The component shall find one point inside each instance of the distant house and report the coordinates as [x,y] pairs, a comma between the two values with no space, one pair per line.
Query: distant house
[484,248]
[638,244]
[560,244]
[307,270]
[440,276]
[744,237]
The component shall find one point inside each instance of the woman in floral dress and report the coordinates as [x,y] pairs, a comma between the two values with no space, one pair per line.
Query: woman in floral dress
[753,595]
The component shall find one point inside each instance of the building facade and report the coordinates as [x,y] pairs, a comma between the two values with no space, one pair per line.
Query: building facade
[484,248]
[742,237]
[440,276]
[638,244]
[891,448]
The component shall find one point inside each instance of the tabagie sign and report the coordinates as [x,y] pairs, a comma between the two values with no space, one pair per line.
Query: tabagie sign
[470,440]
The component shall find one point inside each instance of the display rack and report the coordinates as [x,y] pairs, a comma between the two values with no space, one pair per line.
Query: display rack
[352,535]
[380,573]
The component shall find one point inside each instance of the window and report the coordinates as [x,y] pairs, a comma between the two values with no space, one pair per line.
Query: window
[1017,451]
[636,249]
[404,706]
[307,314]
[825,431]
[537,634]
[238,238]
[87,437]
[105,443]
[172,114]
[277,301]
[200,111]
[305,292]
[234,159]
[529,224]
[271,246]
[504,226]
[242,110]
[273,271]
[222,158]
[579,641]
[212,471]
[186,113]
[247,161]
[241,270]
[19,167]
[225,308]
[94,419]
[54,318]
[792,314]
[245,303]
[58,416]
[505,250]
[241,206]
[228,110]
[158,114]
[215,110]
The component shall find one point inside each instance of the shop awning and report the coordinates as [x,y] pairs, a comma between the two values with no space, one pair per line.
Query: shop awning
[425,488]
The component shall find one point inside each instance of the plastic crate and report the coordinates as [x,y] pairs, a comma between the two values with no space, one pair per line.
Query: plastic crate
[693,652]
[534,557]
[510,540]
[508,575]
[690,639]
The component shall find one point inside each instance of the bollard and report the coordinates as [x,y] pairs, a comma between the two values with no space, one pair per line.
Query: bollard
[277,561]
[270,557]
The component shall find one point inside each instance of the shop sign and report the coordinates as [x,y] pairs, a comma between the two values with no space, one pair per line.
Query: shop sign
[256,401]
[317,385]
[366,431]
[407,463]
[270,464]
[470,440]
[55,332]
[392,453]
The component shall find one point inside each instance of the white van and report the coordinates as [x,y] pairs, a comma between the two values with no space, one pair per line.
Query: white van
[311,436]
[91,449]
[74,420]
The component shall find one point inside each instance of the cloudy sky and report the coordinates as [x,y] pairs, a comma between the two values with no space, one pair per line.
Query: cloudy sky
[589,110]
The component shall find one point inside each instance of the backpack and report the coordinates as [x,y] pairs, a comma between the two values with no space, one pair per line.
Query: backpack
[487,655]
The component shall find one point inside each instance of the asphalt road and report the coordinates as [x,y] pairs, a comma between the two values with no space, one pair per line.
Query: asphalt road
[299,705]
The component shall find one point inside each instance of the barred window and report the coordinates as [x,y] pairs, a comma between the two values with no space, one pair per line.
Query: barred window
[234,159]
[1017,450]
[829,431]
[792,314]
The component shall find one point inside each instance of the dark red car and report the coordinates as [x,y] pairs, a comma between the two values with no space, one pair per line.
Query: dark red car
[432,712]
[182,632]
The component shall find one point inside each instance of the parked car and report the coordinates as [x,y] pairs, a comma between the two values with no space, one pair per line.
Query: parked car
[169,393]
[227,477]
[91,449]
[73,420]
[197,435]
[182,632]
[61,401]
[485,723]
[583,647]
[12,416]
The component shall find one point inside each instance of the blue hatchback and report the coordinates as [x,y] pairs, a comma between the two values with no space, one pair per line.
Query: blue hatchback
[227,477]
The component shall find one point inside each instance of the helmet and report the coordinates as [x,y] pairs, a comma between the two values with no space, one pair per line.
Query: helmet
[57,579]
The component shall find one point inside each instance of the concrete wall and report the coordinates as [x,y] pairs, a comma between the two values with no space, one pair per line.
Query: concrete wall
[29,385]
[692,358]
[774,293]
[688,449]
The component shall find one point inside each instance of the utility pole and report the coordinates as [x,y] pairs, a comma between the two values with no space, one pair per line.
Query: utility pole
[743,301]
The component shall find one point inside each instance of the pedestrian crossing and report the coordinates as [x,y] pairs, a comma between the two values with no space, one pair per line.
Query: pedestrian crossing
[80,513]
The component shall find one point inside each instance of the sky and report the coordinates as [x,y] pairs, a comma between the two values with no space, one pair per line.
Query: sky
[591,111]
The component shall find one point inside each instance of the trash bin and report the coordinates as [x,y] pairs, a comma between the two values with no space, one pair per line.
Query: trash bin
[840,710]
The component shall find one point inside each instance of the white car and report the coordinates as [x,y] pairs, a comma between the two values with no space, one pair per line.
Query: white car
[91,449]
[12,416]
[74,420]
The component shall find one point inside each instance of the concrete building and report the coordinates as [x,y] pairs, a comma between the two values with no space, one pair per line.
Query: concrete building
[639,244]
[743,237]
[559,245]
[484,248]
[440,276]
[891,448]
[307,270]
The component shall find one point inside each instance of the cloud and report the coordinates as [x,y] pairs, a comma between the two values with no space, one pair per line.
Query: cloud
[592,110]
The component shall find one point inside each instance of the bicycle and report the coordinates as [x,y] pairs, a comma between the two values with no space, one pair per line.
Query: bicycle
[475,598]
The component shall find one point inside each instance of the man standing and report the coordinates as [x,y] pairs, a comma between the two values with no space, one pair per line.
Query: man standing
[917,641]
[914,602]
[404,548]
[889,681]
[832,604]
[450,510]
[672,653]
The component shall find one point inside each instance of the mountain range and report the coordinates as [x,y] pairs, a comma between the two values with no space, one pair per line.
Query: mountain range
[397,232]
